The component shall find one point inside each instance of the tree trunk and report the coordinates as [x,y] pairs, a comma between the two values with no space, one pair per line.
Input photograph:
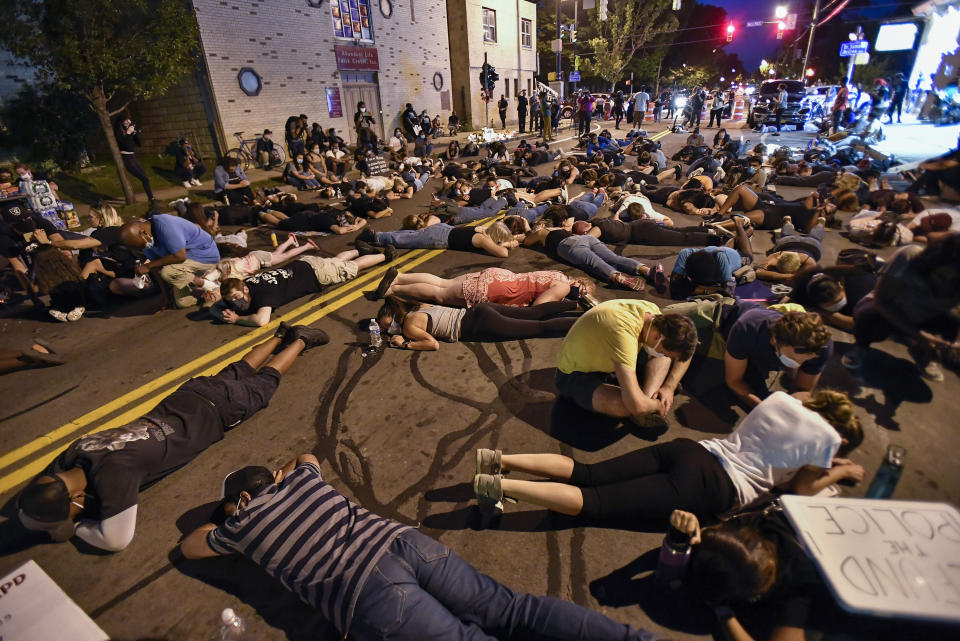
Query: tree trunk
[99,104]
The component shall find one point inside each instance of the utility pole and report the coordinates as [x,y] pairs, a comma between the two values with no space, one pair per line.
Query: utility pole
[813,28]
[561,44]
[573,42]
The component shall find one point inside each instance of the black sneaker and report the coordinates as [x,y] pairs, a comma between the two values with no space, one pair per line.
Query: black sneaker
[390,253]
[367,235]
[282,330]
[365,249]
[385,282]
[310,336]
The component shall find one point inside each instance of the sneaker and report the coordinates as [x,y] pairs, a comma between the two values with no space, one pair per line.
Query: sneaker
[636,283]
[389,253]
[932,372]
[486,487]
[310,336]
[853,359]
[367,235]
[658,279]
[677,172]
[488,461]
[822,221]
[186,184]
[195,182]
[76,313]
[564,196]
[365,249]
[787,220]
[385,282]
[57,314]
[282,330]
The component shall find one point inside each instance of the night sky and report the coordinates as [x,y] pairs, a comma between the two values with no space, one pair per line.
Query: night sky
[754,44]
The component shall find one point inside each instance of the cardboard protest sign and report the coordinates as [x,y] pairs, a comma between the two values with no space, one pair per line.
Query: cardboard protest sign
[882,557]
[33,607]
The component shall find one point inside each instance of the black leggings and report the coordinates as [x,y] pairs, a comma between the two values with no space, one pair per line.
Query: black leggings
[133,166]
[659,195]
[493,322]
[653,482]
[647,232]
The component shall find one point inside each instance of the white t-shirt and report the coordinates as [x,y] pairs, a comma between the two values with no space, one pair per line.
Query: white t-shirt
[772,443]
[379,182]
[648,209]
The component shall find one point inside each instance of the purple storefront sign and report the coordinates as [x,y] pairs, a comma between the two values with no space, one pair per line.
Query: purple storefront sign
[357,58]
[334,108]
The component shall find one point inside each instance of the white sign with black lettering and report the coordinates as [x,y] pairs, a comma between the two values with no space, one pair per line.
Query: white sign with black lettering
[377,166]
[885,558]
[33,607]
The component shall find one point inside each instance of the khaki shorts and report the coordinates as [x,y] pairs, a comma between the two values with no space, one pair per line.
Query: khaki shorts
[330,271]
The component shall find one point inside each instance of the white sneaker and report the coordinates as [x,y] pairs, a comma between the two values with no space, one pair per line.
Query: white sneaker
[195,182]
[60,316]
[76,313]
[186,184]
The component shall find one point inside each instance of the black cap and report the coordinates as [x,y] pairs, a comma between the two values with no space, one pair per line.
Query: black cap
[267,132]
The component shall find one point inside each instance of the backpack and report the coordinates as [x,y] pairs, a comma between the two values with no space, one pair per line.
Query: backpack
[707,313]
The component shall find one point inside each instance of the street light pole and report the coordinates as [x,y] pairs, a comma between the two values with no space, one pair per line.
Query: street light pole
[573,42]
[558,40]
[813,28]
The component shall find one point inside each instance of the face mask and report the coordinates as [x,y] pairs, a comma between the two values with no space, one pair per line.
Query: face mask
[652,351]
[837,306]
[299,158]
[239,305]
[788,362]
[363,108]
[149,244]
[394,328]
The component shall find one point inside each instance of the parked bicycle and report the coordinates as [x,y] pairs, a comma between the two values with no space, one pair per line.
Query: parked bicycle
[246,153]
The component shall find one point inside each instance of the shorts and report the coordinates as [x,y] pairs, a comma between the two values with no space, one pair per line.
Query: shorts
[245,265]
[330,271]
[237,392]
[580,386]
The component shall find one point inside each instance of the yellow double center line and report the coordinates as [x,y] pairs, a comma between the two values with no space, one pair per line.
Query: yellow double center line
[205,365]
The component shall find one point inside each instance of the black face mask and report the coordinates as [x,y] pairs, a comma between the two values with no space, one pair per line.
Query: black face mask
[239,305]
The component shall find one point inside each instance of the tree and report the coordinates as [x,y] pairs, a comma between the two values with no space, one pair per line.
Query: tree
[111,52]
[629,26]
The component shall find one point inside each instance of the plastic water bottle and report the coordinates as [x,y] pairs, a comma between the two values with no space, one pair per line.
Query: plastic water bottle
[139,280]
[885,480]
[233,628]
[375,340]
[674,556]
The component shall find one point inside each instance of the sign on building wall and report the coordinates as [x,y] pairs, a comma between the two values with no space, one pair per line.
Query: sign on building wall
[334,106]
[357,58]
[445,100]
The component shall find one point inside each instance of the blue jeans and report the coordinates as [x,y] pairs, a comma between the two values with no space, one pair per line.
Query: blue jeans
[486,209]
[596,258]
[299,183]
[530,213]
[420,590]
[432,237]
[586,207]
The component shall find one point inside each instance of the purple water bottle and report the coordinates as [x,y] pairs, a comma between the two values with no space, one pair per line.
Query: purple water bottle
[674,556]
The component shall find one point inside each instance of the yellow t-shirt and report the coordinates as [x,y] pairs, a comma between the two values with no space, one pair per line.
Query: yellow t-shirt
[607,334]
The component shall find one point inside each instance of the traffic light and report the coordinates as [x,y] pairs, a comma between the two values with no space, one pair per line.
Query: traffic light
[730,29]
[781,27]
[484,71]
[492,77]
[573,35]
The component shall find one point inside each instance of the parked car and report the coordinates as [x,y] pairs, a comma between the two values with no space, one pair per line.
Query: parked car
[763,106]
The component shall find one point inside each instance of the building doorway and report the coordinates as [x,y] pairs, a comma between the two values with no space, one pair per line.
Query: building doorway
[361,86]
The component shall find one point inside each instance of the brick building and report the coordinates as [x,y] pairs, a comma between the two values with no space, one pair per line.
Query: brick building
[504,30]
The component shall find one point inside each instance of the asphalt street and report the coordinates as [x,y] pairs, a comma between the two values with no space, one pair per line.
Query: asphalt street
[396,431]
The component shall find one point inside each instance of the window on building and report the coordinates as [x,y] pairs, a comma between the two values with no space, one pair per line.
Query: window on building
[529,87]
[516,86]
[526,33]
[489,25]
[506,87]
[351,19]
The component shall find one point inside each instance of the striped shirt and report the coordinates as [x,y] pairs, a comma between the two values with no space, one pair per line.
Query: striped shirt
[317,543]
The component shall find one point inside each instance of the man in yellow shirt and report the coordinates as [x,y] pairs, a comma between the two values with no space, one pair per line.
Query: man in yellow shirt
[606,342]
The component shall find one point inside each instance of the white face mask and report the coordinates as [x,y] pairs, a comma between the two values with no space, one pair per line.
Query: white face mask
[363,108]
[394,328]
[837,306]
[652,351]
[149,244]
[788,362]
[299,158]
